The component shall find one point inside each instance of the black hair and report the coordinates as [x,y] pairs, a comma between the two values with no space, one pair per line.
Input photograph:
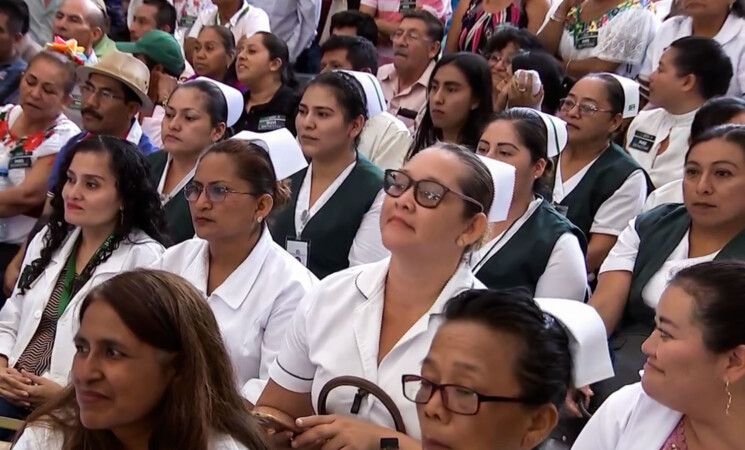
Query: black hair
[554,79]
[613,91]
[151,64]
[62,62]
[476,72]
[716,111]
[363,23]
[278,49]
[738,8]
[716,287]
[505,35]
[228,41]
[130,95]
[543,367]
[435,29]
[166,16]
[348,91]
[18,15]
[732,133]
[141,205]
[361,53]
[213,103]
[705,59]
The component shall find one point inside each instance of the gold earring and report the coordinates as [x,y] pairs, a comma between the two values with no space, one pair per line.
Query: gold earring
[729,397]
[259,219]
[460,242]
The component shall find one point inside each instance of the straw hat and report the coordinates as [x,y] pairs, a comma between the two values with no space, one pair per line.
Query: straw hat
[125,68]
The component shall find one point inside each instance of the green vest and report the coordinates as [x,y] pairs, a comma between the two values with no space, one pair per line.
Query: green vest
[178,217]
[523,259]
[601,181]
[331,231]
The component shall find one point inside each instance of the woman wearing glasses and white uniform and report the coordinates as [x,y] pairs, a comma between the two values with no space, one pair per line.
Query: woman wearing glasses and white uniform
[376,321]
[252,285]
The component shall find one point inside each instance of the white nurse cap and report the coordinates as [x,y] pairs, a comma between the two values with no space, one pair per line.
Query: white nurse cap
[284,151]
[503,177]
[630,95]
[557,134]
[373,92]
[233,98]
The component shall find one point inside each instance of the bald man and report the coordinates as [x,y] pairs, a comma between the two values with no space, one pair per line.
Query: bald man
[84,21]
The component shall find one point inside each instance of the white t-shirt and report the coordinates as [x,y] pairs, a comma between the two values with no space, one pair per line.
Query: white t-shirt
[622,257]
[731,36]
[246,22]
[623,39]
[21,161]
[645,135]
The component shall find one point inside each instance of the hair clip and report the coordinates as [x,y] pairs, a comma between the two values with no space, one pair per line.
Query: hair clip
[548,320]
[69,48]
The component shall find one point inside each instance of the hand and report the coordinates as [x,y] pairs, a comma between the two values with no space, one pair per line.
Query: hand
[501,94]
[166,85]
[13,387]
[41,389]
[12,272]
[520,92]
[567,5]
[339,432]
[572,406]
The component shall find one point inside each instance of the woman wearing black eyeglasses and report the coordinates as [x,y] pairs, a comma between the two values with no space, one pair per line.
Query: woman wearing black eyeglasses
[376,321]
[251,284]
[597,185]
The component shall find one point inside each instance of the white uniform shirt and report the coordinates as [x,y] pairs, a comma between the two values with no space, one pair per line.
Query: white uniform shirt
[645,135]
[614,41]
[623,257]
[614,214]
[40,437]
[385,140]
[731,36]
[367,246]
[672,192]
[19,226]
[246,22]
[628,420]
[336,332]
[152,126]
[253,306]
[22,313]
[565,275]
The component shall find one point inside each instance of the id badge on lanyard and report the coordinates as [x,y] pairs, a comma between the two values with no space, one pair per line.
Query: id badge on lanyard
[299,249]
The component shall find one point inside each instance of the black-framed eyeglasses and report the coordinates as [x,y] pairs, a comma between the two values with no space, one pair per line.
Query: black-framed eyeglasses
[427,193]
[455,398]
[214,193]
[585,109]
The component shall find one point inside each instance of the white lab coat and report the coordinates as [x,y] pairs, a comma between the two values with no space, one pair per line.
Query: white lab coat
[253,306]
[336,332]
[628,420]
[22,313]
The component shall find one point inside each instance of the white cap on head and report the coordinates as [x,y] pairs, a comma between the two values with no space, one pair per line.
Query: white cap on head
[631,97]
[373,91]
[503,177]
[233,98]
[588,341]
[284,151]
[557,134]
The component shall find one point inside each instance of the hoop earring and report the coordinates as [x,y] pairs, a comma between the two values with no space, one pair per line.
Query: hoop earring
[729,397]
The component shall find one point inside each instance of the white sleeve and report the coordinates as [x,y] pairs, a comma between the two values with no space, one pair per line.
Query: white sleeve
[625,204]
[273,334]
[368,243]
[566,273]
[39,437]
[607,425]
[60,135]
[370,3]
[392,146]
[305,32]
[618,45]
[671,192]
[292,368]
[143,256]
[623,254]
[257,20]
[202,19]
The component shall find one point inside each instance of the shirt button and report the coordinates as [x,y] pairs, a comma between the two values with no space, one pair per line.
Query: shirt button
[37,314]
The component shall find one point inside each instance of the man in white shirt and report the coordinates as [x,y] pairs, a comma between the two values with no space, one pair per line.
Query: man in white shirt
[692,70]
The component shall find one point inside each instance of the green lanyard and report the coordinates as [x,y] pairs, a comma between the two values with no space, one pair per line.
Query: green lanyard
[229,25]
[69,280]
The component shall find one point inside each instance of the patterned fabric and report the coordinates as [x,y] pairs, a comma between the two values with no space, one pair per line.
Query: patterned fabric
[677,439]
[38,354]
[576,27]
[478,25]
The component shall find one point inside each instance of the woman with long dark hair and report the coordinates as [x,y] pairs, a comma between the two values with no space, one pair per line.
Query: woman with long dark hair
[142,379]
[106,219]
[457,107]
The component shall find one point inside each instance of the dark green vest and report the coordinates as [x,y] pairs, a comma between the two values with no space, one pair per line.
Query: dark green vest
[601,181]
[523,259]
[178,217]
[332,229]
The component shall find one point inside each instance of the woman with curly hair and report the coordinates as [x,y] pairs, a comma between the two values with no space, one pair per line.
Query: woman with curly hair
[140,379]
[106,219]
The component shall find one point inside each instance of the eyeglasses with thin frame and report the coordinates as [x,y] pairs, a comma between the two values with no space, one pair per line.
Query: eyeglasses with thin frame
[427,193]
[87,90]
[585,109]
[215,193]
[457,399]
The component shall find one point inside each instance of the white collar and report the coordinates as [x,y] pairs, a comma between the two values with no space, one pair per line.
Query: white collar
[732,28]
[166,197]
[135,133]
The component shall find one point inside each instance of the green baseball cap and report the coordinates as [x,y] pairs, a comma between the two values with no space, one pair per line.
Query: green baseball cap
[159,46]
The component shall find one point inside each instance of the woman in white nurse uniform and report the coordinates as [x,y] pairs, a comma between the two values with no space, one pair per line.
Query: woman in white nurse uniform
[252,284]
[377,321]
[692,393]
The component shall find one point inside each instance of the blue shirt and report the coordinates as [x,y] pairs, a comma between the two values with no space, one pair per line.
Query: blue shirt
[10,78]
[145,146]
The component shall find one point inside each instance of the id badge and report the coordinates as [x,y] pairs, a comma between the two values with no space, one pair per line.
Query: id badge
[561,209]
[187,21]
[299,250]
[642,142]
[271,123]
[588,39]
[407,6]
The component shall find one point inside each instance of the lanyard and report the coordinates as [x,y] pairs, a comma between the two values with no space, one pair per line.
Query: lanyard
[69,280]
[229,25]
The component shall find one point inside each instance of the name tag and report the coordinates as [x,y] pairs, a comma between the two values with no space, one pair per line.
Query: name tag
[187,21]
[588,39]
[20,162]
[561,209]
[271,123]
[406,6]
[642,142]
[299,250]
